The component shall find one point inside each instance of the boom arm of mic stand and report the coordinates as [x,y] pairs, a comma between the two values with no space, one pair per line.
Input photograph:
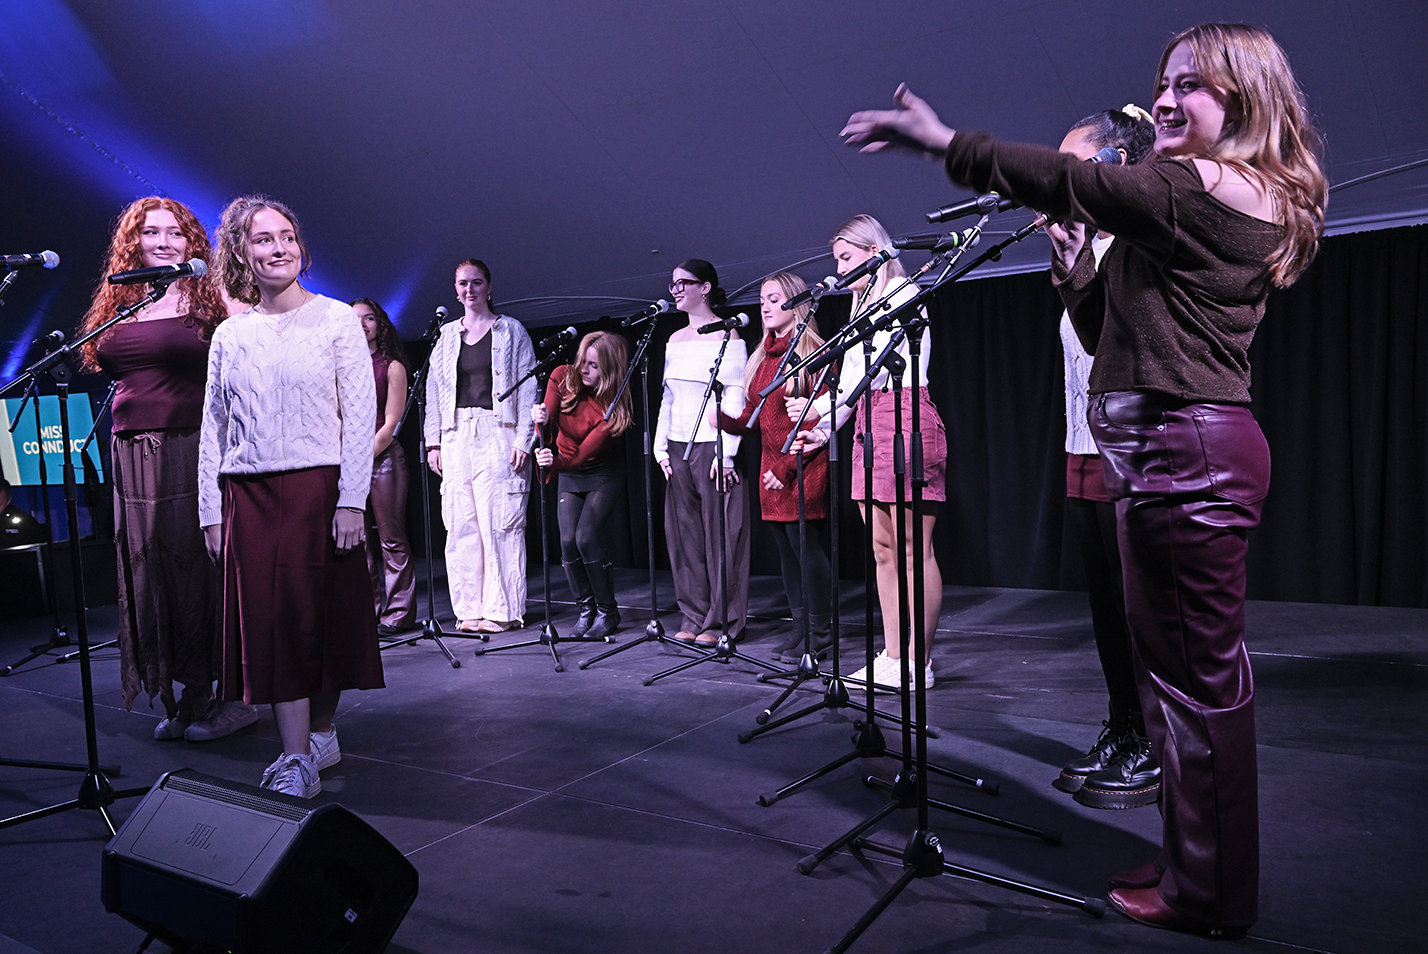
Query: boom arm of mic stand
[108,400]
[889,356]
[709,389]
[783,363]
[635,360]
[418,380]
[61,353]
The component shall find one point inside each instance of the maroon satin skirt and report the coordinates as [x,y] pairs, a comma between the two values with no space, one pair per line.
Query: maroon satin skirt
[298,618]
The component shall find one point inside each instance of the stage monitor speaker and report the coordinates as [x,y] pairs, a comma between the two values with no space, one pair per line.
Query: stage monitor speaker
[208,863]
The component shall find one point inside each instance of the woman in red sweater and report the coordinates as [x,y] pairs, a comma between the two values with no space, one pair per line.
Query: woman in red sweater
[590,459]
[778,486]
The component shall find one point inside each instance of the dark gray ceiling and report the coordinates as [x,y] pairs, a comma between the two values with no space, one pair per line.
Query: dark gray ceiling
[583,149]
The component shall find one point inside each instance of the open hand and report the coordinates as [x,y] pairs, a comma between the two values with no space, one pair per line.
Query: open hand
[912,125]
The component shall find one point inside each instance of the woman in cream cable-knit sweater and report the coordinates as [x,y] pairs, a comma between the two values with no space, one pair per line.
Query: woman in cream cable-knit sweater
[285,464]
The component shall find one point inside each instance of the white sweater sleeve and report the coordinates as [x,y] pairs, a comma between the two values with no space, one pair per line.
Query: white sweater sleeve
[212,437]
[356,406]
[661,439]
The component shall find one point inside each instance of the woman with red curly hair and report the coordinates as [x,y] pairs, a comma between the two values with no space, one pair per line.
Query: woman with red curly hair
[159,359]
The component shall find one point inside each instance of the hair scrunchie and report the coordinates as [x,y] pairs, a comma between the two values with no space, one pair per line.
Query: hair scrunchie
[1135,112]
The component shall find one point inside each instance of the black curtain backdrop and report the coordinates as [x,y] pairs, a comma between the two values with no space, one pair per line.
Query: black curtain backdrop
[1340,388]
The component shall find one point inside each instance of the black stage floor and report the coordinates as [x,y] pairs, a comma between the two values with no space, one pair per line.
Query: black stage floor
[583,811]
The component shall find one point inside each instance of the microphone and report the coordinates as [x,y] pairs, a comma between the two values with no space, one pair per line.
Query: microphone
[441,313]
[557,341]
[816,291]
[195,267]
[869,267]
[936,242]
[658,308]
[993,202]
[978,205]
[52,340]
[740,320]
[46,258]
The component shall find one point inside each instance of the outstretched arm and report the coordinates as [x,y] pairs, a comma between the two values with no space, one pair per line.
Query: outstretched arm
[911,125]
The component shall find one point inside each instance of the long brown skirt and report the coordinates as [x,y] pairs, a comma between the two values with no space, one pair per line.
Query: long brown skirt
[168,588]
[298,619]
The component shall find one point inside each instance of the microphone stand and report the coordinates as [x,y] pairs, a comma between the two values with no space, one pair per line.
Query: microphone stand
[868,741]
[922,856]
[83,448]
[416,395]
[654,629]
[95,791]
[724,649]
[549,636]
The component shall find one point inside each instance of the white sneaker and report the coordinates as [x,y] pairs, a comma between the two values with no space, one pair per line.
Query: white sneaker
[887,674]
[325,751]
[884,677]
[224,718]
[170,728]
[293,775]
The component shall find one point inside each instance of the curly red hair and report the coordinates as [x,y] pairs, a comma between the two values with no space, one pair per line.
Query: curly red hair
[205,306]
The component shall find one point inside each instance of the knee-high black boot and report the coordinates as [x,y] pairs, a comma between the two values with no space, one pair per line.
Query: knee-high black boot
[579,582]
[607,614]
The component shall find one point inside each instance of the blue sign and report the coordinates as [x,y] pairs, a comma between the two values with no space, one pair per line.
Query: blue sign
[20,450]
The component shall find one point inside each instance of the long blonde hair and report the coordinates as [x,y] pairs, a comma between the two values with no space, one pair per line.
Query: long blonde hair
[868,233]
[799,385]
[1268,133]
[612,356]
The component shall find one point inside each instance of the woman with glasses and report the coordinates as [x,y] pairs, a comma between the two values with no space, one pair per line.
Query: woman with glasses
[704,484]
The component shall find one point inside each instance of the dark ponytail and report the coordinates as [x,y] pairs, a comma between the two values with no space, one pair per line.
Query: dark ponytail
[705,273]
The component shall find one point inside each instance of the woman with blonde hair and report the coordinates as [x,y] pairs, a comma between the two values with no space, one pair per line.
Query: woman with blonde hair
[168,591]
[1231,207]
[856,241]
[589,457]
[778,490]
[285,466]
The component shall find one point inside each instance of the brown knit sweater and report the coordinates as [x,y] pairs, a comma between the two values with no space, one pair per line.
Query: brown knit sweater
[1177,299]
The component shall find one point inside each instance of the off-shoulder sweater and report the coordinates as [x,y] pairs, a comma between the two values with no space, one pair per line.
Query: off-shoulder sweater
[1177,298]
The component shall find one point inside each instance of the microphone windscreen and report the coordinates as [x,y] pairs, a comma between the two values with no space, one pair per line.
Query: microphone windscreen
[198,266]
[51,259]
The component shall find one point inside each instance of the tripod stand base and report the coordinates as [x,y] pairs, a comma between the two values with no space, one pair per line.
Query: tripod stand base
[654,633]
[57,639]
[430,629]
[95,794]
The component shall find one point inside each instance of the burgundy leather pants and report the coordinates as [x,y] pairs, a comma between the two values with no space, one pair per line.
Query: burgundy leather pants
[1189,481]
[389,557]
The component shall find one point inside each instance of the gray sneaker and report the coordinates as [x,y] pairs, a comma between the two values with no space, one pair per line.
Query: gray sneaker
[325,751]
[224,718]
[293,775]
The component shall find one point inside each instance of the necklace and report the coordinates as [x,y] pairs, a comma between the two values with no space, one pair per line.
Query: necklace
[282,321]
